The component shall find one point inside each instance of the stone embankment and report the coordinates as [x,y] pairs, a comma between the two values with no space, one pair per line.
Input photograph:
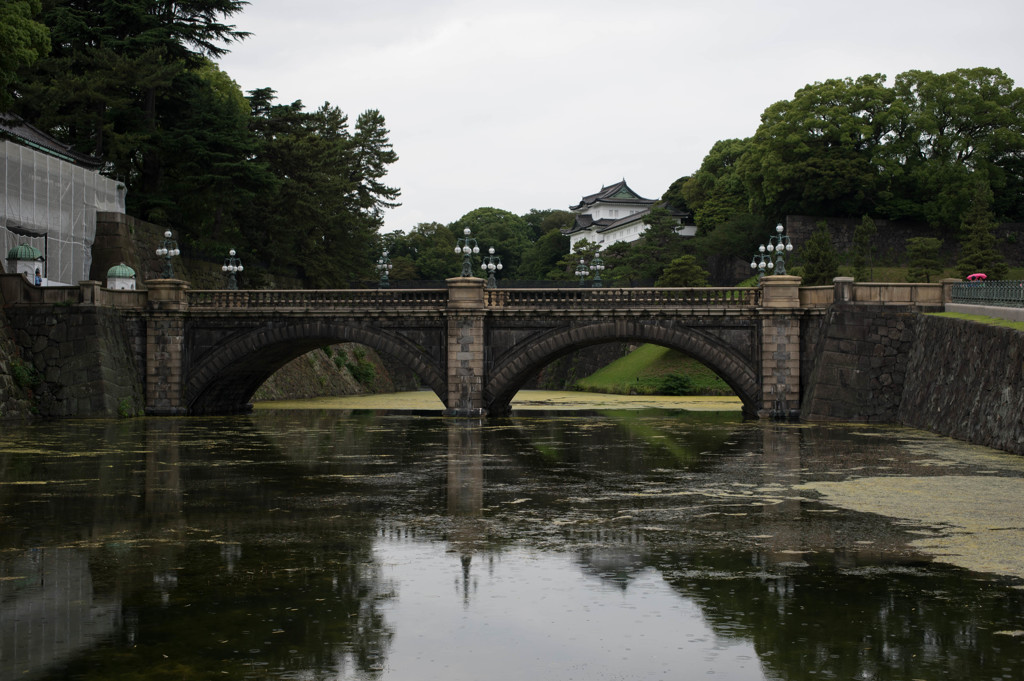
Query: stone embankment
[15,377]
[890,364]
[859,366]
[79,361]
[966,380]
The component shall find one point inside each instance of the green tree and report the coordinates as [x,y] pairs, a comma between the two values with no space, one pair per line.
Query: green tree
[620,265]
[683,271]
[716,192]
[956,125]
[582,250]
[819,258]
[210,174]
[23,41]
[506,232]
[978,248]
[737,237]
[923,258]
[815,154]
[861,256]
[320,219]
[542,222]
[431,247]
[541,259]
[113,78]
[657,246]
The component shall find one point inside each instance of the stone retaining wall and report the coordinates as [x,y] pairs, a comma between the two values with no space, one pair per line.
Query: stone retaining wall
[84,357]
[891,364]
[966,380]
[860,364]
[15,396]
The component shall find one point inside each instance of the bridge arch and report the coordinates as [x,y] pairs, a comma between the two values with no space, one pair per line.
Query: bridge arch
[225,378]
[514,369]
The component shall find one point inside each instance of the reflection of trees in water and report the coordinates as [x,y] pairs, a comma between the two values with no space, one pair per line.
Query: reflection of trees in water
[297,594]
[191,530]
[264,528]
[822,621]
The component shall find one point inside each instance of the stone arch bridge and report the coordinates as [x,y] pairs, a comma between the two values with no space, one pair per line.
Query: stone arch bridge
[207,351]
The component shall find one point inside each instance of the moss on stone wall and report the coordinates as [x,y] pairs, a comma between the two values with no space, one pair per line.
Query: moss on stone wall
[17,378]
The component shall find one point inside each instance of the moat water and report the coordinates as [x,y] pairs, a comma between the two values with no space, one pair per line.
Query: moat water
[333,542]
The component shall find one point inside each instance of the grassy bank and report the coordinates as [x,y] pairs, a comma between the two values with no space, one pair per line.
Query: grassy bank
[654,370]
[982,319]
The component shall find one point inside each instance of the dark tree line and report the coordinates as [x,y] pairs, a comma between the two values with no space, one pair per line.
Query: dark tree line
[934,149]
[302,192]
[134,83]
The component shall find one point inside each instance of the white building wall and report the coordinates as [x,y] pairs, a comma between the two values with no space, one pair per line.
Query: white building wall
[57,201]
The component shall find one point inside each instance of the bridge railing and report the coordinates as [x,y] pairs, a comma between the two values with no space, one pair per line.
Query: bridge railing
[16,290]
[1001,293]
[897,293]
[623,297]
[316,299]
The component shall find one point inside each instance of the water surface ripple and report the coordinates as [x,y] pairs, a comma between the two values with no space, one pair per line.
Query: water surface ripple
[603,544]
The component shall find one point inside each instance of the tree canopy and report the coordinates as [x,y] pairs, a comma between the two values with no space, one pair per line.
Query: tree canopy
[133,82]
[856,146]
[23,41]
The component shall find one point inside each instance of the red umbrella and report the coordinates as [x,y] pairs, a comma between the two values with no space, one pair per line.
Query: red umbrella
[977,276]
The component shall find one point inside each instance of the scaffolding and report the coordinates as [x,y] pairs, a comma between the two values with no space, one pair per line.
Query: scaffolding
[52,204]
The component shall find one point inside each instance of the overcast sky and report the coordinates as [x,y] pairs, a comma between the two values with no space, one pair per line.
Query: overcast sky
[535,103]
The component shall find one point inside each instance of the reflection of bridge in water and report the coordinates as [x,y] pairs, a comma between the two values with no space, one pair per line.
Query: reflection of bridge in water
[742,593]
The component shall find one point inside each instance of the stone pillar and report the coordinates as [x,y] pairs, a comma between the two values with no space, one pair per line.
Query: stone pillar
[947,289]
[465,345]
[843,290]
[90,292]
[165,347]
[780,347]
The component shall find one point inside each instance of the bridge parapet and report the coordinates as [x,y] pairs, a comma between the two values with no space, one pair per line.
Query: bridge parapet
[891,293]
[16,290]
[591,298]
[317,299]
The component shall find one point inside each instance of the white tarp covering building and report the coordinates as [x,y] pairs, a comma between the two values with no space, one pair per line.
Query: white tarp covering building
[51,203]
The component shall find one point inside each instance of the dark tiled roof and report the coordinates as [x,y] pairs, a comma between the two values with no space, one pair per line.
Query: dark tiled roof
[616,193]
[615,224]
[20,132]
[609,225]
[586,222]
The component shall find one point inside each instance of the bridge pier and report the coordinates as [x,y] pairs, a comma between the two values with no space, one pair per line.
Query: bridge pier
[780,347]
[465,347]
[165,347]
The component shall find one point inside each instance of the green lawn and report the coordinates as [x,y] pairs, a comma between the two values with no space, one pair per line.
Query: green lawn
[645,370]
[991,321]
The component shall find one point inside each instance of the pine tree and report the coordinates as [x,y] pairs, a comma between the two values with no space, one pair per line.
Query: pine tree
[923,258]
[820,260]
[978,247]
[863,248]
[683,271]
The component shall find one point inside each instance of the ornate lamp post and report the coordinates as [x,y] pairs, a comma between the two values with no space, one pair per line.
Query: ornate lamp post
[467,247]
[491,264]
[779,243]
[232,265]
[383,267]
[581,271]
[167,250]
[761,263]
[596,265]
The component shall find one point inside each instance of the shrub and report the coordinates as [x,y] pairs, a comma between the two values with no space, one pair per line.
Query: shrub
[675,384]
[24,375]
